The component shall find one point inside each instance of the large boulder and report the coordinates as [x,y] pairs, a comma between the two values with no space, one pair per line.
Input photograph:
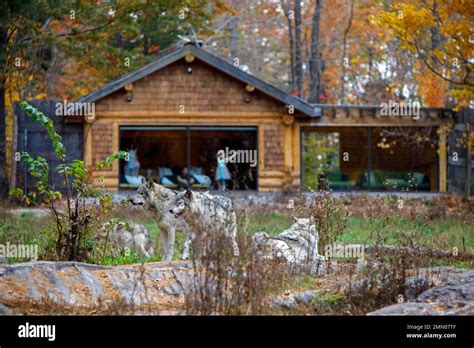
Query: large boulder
[438,291]
[422,308]
[84,288]
[454,285]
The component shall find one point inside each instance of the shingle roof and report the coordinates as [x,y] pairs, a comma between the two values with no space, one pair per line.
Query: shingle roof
[214,61]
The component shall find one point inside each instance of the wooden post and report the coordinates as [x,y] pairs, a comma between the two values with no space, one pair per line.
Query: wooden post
[468,160]
[288,147]
[443,165]
[87,144]
[297,153]
[115,148]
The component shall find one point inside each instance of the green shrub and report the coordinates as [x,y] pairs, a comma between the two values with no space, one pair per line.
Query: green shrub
[73,224]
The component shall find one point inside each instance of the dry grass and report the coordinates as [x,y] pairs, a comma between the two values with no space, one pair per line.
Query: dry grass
[224,284]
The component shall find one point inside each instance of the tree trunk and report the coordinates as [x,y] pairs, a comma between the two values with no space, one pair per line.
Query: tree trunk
[298,50]
[291,30]
[344,54]
[145,44]
[234,43]
[291,36]
[3,115]
[435,32]
[315,65]
[467,189]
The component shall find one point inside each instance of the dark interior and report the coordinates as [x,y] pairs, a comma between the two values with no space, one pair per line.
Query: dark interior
[376,158]
[165,151]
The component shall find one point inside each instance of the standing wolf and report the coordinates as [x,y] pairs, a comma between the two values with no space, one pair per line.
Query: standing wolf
[159,199]
[205,214]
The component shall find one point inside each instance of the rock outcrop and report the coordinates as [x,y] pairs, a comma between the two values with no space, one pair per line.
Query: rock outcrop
[83,288]
[441,291]
[160,287]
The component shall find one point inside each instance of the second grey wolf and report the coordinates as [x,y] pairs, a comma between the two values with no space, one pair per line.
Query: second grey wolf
[129,236]
[205,213]
[297,245]
[158,200]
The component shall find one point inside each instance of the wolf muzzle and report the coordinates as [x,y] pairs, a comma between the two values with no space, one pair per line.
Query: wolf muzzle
[132,200]
[176,215]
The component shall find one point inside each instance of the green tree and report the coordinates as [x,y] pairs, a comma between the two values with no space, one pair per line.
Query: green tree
[320,155]
[64,49]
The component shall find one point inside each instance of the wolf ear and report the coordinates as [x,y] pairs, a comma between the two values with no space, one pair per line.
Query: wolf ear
[188,194]
[150,182]
[142,178]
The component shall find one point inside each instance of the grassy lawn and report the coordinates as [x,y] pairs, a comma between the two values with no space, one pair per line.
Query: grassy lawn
[437,233]
[27,229]
[271,222]
[444,234]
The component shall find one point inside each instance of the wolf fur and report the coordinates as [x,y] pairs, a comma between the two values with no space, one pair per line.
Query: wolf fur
[296,245]
[206,214]
[158,200]
[129,236]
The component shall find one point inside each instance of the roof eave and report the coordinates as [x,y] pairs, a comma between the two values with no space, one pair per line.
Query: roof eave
[214,61]
[136,75]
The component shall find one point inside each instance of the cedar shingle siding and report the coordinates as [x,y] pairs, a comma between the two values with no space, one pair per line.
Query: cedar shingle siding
[206,89]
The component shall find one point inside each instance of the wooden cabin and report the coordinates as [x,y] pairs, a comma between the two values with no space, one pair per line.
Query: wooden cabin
[176,113]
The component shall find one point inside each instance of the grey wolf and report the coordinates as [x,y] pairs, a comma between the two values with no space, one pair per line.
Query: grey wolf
[205,213]
[297,245]
[158,200]
[129,236]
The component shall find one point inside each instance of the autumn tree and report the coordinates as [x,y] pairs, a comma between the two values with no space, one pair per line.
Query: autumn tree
[315,62]
[437,35]
[64,49]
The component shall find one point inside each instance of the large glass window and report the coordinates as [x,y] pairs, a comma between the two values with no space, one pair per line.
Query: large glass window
[337,157]
[239,146]
[376,159]
[404,159]
[181,157]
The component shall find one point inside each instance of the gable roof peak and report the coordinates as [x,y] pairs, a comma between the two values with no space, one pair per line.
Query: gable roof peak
[212,60]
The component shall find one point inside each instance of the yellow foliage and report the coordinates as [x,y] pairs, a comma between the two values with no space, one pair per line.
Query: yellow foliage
[445,66]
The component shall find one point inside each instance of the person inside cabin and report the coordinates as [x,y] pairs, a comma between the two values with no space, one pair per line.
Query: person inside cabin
[222,173]
[185,180]
[132,165]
